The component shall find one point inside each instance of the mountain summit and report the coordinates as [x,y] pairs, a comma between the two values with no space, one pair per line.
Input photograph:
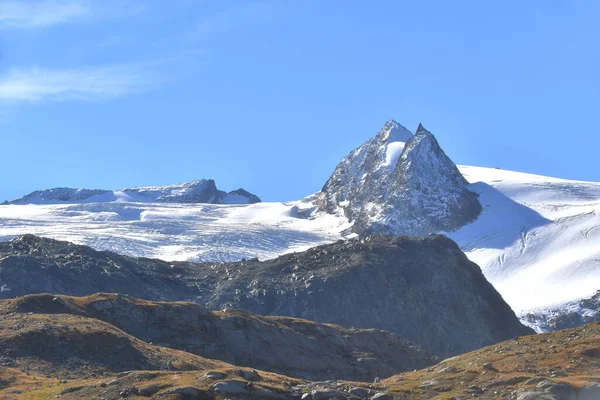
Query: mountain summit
[200,191]
[400,184]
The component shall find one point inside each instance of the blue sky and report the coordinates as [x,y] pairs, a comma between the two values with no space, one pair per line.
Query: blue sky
[270,95]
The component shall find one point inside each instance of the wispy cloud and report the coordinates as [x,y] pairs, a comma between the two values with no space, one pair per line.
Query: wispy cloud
[33,85]
[36,14]
[30,14]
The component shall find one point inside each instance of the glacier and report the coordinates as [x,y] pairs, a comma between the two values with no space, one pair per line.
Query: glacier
[535,239]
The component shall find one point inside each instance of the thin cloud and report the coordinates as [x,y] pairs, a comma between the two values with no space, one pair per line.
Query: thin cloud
[35,84]
[33,14]
[36,14]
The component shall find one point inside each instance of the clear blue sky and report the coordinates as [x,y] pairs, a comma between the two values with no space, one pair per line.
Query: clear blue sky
[270,95]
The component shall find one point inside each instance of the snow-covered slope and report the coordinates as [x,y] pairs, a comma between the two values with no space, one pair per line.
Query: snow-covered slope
[176,231]
[537,238]
[200,191]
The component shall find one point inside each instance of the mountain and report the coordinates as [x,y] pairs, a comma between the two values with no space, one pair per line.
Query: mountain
[400,184]
[535,238]
[201,191]
[289,346]
[424,289]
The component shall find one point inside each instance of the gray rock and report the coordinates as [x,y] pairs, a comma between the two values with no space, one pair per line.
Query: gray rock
[561,391]
[71,389]
[382,396]
[535,395]
[230,388]
[247,375]
[535,380]
[549,390]
[214,375]
[488,367]
[148,390]
[359,392]
[186,391]
[327,394]
[591,392]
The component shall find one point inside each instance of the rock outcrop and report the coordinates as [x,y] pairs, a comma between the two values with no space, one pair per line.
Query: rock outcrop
[289,346]
[424,289]
[557,366]
[400,184]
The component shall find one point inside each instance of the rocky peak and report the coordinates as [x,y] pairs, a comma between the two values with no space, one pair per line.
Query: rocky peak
[390,186]
[394,132]
[198,191]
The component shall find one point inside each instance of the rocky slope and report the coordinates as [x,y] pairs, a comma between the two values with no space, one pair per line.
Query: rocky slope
[201,191]
[400,184]
[424,289]
[289,346]
[563,365]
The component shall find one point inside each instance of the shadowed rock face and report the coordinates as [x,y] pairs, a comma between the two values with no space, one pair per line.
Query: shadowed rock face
[290,346]
[400,184]
[424,289]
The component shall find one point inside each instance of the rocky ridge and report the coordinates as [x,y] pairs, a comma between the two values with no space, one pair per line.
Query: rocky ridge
[200,191]
[288,346]
[424,289]
[400,184]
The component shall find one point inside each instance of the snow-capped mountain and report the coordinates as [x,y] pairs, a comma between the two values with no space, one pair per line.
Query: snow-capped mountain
[200,191]
[400,184]
[535,239]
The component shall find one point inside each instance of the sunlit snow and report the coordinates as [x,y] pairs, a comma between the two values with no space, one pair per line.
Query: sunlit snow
[536,239]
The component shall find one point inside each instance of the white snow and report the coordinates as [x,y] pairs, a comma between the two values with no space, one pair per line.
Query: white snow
[171,231]
[392,152]
[537,239]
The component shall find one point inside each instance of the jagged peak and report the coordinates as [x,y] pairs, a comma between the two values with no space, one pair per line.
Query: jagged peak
[392,131]
[421,129]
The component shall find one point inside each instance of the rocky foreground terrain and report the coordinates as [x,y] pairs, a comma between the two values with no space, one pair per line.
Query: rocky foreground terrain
[288,346]
[64,347]
[424,289]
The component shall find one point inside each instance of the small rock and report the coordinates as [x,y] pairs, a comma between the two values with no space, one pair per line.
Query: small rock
[560,390]
[71,389]
[535,381]
[212,375]
[382,396]
[114,382]
[247,375]
[558,374]
[327,394]
[359,392]
[187,391]
[489,367]
[227,388]
[307,396]
[130,391]
[148,391]
[427,384]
